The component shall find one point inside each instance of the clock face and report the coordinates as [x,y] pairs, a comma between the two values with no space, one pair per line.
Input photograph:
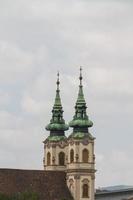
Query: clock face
[61,144]
[85,142]
[71,142]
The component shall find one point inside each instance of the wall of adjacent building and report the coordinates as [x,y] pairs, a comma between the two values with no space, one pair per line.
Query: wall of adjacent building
[115,196]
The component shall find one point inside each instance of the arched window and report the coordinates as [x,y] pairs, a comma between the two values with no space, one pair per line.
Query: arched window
[48,158]
[61,158]
[85,155]
[85,191]
[71,156]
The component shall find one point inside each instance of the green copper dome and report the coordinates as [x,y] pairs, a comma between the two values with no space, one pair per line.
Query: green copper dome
[80,122]
[57,124]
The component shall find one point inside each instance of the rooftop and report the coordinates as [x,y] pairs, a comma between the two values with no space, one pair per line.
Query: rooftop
[49,185]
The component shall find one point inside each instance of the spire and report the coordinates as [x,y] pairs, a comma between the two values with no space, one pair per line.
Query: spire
[80,122]
[57,124]
[81,99]
[57,98]
[58,80]
[80,77]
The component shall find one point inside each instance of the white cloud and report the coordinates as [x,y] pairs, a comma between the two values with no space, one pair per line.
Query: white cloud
[4,98]
[32,106]
[9,120]
[116,167]
[37,38]
[15,63]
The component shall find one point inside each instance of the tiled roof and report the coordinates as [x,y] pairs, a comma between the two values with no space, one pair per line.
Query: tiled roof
[50,185]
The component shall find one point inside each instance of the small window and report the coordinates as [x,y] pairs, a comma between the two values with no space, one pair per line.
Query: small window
[71,156]
[85,155]
[48,158]
[61,158]
[85,191]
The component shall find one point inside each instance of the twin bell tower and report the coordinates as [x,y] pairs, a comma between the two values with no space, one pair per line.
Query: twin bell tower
[73,154]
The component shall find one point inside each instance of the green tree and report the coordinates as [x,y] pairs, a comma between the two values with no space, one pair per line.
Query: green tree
[20,196]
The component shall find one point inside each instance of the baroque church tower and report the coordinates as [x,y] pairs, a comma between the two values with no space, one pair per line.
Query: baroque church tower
[75,154]
[54,145]
[81,166]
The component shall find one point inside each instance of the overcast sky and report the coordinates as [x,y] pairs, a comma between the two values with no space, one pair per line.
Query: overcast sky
[39,37]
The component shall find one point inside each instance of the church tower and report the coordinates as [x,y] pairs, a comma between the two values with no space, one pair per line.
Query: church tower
[81,158]
[75,154]
[55,156]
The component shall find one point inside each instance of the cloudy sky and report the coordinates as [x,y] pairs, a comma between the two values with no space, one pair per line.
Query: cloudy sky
[39,37]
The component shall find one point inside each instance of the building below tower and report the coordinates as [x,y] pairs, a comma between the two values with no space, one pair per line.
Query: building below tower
[75,154]
[69,162]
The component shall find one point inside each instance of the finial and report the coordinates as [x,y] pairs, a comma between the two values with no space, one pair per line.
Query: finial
[80,77]
[58,80]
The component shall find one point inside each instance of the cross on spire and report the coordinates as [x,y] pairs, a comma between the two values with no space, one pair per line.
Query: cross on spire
[57,124]
[58,80]
[80,77]
[80,121]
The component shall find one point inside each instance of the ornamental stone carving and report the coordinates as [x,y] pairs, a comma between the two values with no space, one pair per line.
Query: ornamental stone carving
[53,160]
[77,157]
[77,176]
[85,142]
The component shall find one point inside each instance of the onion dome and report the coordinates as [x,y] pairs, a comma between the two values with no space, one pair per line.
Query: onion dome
[80,122]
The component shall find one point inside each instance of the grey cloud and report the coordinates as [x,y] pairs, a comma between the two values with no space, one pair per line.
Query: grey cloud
[37,38]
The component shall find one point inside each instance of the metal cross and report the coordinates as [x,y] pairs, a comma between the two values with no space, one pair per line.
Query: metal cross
[58,80]
[80,78]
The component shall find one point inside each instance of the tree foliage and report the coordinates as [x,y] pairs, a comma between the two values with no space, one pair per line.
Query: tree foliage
[20,196]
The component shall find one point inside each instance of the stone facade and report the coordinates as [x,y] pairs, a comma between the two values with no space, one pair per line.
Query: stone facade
[81,172]
[75,154]
[79,167]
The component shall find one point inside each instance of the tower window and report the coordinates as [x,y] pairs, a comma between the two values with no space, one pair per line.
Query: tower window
[61,158]
[48,158]
[85,155]
[71,156]
[85,191]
